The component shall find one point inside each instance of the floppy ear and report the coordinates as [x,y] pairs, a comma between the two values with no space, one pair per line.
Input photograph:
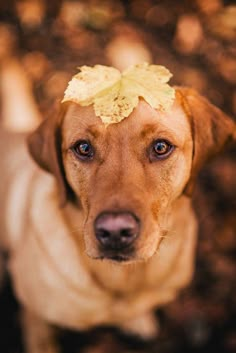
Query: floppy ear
[211,130]
[45,147]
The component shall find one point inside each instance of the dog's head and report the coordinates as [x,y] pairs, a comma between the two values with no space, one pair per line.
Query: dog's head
[125,178]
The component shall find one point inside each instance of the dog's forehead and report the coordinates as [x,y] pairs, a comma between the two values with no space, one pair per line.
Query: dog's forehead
[81,116]
[143,120]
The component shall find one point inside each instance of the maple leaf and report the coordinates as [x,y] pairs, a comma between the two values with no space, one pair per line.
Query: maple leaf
[115,95]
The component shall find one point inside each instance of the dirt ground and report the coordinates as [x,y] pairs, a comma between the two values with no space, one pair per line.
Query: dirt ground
[196,40]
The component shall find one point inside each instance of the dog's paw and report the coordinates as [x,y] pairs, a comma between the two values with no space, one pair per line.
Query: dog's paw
[145,327]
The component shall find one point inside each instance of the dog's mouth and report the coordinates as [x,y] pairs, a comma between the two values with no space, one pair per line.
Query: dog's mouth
[117,256]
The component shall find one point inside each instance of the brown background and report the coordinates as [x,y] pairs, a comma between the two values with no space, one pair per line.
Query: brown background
[196,40]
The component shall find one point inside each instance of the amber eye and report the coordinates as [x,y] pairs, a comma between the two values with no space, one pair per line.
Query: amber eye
[161,149]
[83,149]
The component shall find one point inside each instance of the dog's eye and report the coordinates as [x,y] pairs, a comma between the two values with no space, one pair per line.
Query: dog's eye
[161,149]
[83,149]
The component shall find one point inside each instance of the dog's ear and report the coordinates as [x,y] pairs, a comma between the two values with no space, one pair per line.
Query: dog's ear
[211,130]
[44,145]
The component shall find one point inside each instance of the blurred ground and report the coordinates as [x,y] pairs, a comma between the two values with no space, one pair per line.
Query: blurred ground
[196,40]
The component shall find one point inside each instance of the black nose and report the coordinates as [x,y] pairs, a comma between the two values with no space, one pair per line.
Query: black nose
[116,231]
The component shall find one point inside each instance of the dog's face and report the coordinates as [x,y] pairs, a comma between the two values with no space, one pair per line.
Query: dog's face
[125,177]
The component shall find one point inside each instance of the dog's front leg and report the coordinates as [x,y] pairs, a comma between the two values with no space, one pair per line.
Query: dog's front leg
[145,326]
[38,336]
[2,268]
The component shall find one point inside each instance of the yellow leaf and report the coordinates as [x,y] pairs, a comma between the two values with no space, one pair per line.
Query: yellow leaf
[89,82]
[115,95]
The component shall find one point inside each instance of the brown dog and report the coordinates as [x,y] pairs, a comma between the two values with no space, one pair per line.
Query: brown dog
[109,233]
